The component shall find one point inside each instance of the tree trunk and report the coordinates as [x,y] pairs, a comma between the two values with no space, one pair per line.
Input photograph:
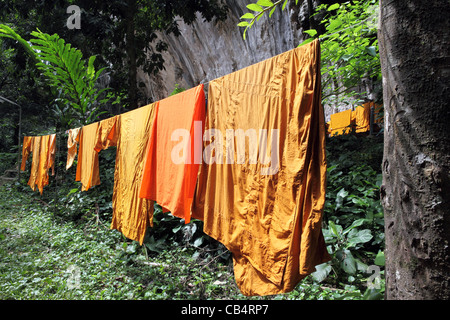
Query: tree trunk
[131,54]
[415,59]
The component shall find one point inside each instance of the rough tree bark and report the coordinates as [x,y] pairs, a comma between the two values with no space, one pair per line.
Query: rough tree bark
[415,59]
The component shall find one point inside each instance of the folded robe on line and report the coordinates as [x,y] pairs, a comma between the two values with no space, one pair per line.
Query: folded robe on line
[129,132]
[72,142]
[271,223]
[340,122]
[88,167]
[43,149]
[172,161]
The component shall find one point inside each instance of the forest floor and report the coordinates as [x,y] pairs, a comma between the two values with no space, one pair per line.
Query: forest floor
[46,254]
[45,257]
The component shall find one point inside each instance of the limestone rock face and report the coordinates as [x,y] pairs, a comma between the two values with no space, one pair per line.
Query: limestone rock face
[207,50]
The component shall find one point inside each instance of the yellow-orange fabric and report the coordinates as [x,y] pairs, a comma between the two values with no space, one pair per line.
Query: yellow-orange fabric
[362,118]
[35,149]
[87,167]
[172,161]
[270,223]
[43,149]
[129,133]
[26,150]
[72,142]
[104,128]
[51,153]
[42,177]
[341,122]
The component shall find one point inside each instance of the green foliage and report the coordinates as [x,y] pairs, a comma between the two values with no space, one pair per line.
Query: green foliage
[349,48]
[177,89]
[349,45]
[43,237]
[72,81]
[258,10]
[353,224]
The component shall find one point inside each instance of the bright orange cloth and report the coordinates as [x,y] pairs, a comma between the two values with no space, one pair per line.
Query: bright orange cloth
[130,133]
[26,149]
[270,222]
[72,142]
[87,166]
[172,162]
[341,122]
[43,149]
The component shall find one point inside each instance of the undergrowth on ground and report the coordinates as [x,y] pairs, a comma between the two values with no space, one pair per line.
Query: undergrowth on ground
[59,245]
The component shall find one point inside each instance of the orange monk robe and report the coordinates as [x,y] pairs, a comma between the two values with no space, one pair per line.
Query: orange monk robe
[172,159]
[26,150]
[129,132]
[35,150]
[87,167]
[341,122]
[72,142]
[43,149]
[269,219]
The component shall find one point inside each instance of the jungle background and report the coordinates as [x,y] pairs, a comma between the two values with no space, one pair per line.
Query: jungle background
[127,54]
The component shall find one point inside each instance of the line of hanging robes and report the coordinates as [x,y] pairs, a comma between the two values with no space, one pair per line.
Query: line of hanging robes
[251,166]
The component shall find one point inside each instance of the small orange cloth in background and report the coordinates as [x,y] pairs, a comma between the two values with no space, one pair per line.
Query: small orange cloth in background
[129,132]
[72,142]
[272,223]
[87,166]
[172,161]
[341,122]
[26,150]
[361,118]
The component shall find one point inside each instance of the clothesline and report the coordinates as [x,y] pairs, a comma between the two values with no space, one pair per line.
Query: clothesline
[257,216]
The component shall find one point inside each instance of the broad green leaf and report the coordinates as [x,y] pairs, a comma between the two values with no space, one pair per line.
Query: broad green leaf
[356,237]
[333,7]
[243,24]
[322,271]
[334,24]
[248,15]
[311,32]
[380,259]
[348,262]
[355,223]
[372,294]
[254,7]
[72,191]
[284,4]
[335,229]
[265,3]
[90,69]
[272,11]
